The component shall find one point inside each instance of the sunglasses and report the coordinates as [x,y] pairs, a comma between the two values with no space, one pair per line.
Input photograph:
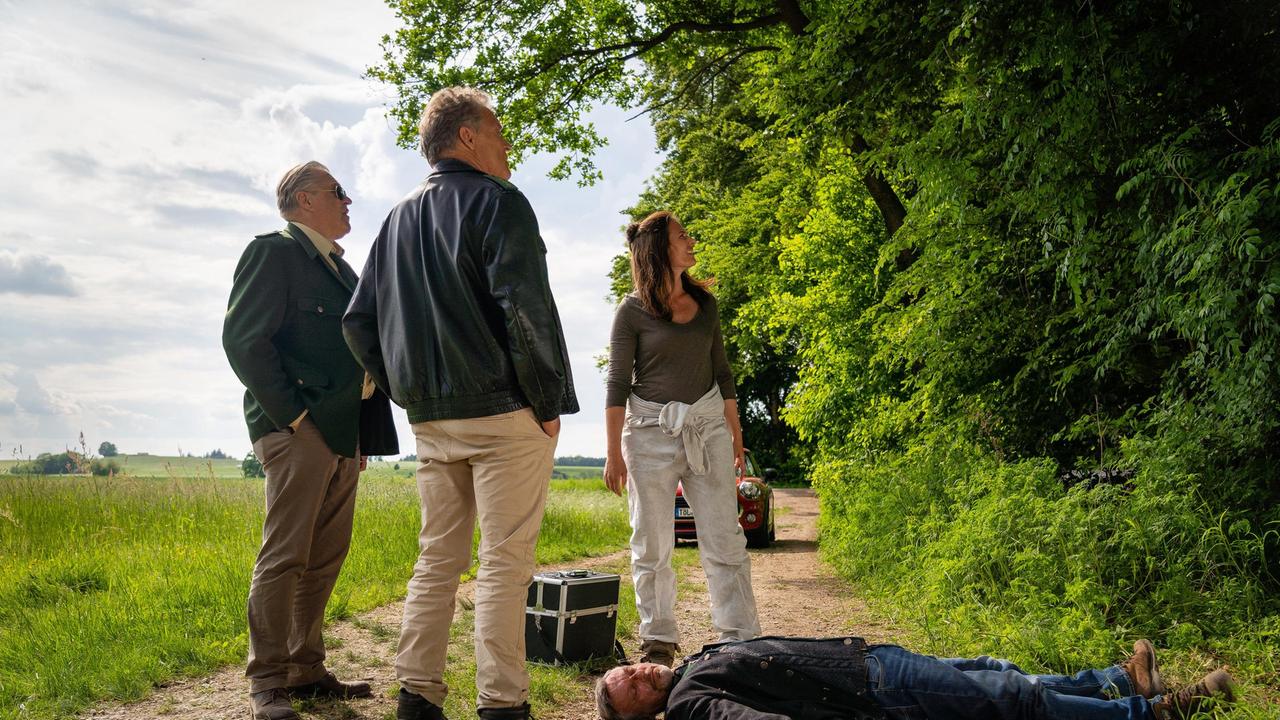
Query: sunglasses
[337,191]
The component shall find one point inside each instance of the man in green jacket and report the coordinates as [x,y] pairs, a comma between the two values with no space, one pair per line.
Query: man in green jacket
[313,417]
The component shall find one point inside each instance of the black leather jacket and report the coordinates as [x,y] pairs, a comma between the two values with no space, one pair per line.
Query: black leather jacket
[775,678]
[453,316]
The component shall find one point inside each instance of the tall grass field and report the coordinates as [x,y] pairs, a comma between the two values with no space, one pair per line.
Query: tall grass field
[111,585]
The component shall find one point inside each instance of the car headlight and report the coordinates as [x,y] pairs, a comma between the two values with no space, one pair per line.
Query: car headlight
[750,491]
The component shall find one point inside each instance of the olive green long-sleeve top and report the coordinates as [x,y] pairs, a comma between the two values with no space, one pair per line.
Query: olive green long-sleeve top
[664,361]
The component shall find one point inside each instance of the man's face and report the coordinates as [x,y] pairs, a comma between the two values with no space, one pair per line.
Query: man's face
[488,146]
[325,212]
[640,689]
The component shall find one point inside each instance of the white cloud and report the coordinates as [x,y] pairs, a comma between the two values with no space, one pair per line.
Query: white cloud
[152,136]
[27,274]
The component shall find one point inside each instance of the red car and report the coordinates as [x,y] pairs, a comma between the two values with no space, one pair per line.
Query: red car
[755,508]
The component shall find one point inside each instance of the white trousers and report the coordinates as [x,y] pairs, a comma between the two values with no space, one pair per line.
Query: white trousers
[656,461]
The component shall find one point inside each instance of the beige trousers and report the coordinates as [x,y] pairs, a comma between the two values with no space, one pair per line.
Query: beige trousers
[494,469]
[311,499]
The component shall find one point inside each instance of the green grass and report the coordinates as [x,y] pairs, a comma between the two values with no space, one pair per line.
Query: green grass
[969,554]
[110,586]
[549,686]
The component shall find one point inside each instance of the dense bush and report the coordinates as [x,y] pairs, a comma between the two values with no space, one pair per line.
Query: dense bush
[251,467]
[994,548]
[63,463]
[104,467]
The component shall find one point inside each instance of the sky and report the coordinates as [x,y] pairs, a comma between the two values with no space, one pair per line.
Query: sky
[140,145]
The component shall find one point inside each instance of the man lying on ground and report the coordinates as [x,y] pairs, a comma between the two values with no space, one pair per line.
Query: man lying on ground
[777,678]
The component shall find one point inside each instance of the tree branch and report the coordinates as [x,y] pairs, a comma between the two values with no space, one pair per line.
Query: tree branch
[639,46]
[794,16]
[716,67]
[643,45]
[885,197]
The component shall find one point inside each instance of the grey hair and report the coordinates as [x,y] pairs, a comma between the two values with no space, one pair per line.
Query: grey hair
[298,178]
[447,111]
[604,708]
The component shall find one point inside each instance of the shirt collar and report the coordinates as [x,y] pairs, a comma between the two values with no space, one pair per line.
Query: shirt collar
[322,243]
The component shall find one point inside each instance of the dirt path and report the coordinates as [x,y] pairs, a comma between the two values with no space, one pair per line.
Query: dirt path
[795,593]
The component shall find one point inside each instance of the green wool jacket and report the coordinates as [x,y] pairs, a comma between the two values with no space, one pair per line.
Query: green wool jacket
[283,336]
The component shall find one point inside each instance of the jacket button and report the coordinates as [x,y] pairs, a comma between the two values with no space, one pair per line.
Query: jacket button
[299,381]
[848,641]
[320,308]
[764,663]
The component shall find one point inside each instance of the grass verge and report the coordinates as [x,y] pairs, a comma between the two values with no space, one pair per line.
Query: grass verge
[111,586]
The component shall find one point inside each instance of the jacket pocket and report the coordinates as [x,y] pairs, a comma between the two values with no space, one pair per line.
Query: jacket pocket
[302,375]
[320,322]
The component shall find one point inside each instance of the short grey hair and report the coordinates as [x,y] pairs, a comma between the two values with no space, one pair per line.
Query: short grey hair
[446,112]
[298,178]
[604,707]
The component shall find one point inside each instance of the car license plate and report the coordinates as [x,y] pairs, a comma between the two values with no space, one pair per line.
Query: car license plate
[683,512]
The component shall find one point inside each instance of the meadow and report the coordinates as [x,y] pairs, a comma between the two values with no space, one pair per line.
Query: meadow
[111,585]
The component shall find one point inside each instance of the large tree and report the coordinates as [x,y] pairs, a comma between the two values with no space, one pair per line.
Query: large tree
[548,64]
[963,247]
[1046,153]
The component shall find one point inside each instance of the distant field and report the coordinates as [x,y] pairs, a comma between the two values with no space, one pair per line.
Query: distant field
[161,466]
[575,471]
[151,570]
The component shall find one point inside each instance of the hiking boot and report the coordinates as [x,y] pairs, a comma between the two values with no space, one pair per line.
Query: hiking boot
[1185,702]
[520,712]
[272,704]
[658,651]
[330,686]
[1141,668]
[413,706]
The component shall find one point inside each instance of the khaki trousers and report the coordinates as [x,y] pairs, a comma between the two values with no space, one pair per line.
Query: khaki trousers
[495,469]
[311,499]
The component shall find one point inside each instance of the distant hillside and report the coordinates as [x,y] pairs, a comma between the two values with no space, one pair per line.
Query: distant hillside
[143,465]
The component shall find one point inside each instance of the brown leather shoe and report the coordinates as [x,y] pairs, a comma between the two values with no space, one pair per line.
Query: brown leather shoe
[272,705]
[1185,702]
[658,651]
[330,686]
[1143,673]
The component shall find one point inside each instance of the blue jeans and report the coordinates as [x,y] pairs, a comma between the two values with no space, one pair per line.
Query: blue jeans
[914,687]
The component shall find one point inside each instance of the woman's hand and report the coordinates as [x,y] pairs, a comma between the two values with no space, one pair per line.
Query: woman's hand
[615,468]
[615,473]
[735,431]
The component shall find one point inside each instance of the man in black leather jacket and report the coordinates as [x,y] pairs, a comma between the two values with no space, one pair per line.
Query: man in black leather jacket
[777,678]
[454,318]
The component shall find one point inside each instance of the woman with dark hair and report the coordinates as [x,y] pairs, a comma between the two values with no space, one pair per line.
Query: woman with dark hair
[671,415]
